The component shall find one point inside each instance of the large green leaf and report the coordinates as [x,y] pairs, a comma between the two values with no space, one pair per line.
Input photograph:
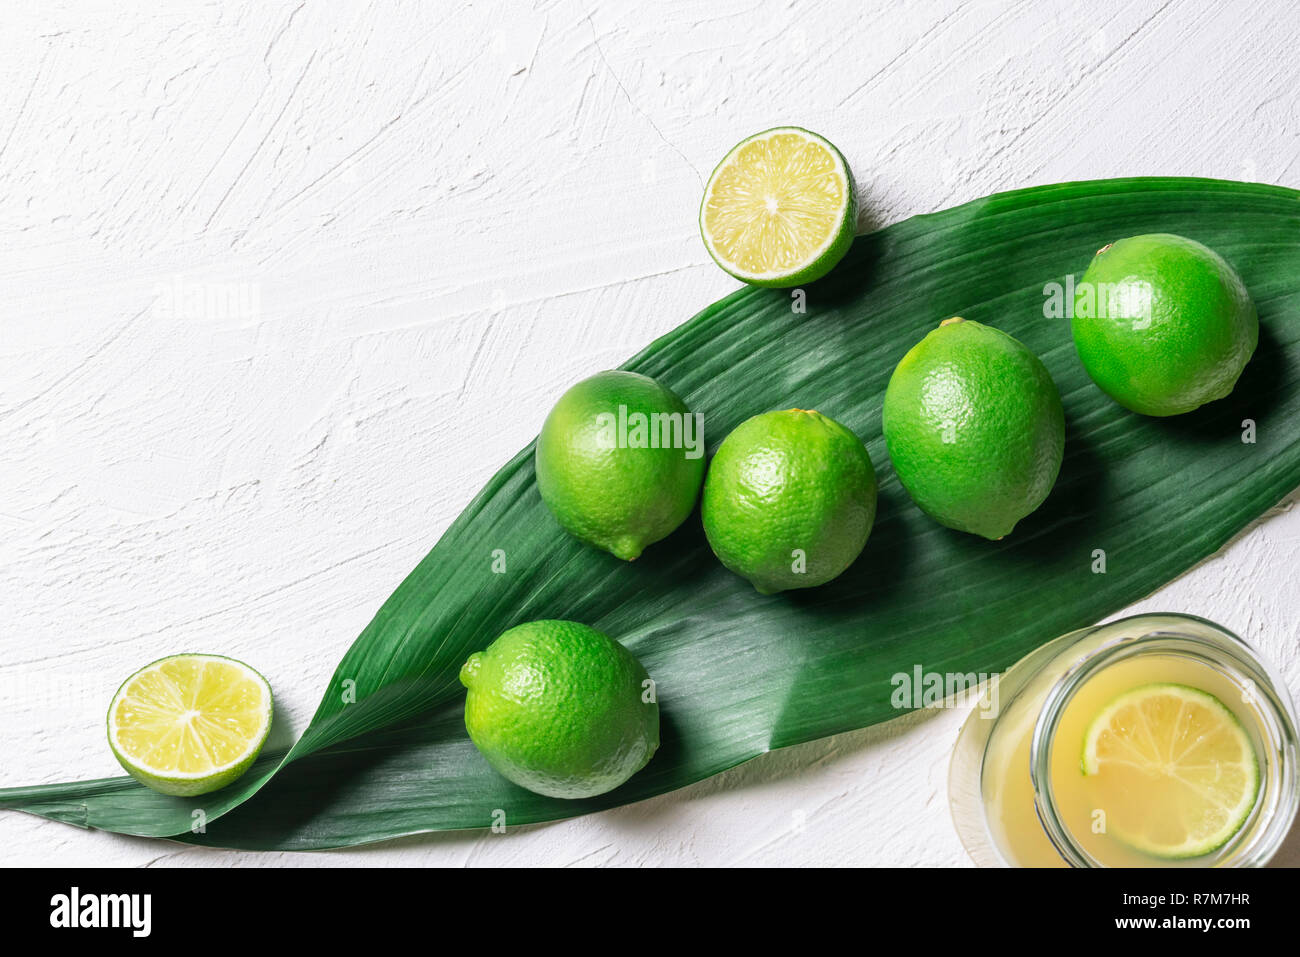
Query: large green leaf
[739,673]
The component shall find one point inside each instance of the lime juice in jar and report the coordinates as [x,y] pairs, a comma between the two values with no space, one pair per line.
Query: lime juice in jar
[1155,741]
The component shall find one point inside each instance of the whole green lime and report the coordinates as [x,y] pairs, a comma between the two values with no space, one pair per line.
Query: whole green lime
[974,426]
[619,461]
[789,500]
[561,709]
[1163,324]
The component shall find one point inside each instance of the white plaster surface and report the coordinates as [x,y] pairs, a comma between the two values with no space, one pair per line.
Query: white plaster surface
[431,219]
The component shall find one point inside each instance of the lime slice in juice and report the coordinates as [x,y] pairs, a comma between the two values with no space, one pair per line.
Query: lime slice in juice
[190,724]
[780,209]
[1173,770]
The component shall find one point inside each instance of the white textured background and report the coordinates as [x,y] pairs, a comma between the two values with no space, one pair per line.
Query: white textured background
[439,216]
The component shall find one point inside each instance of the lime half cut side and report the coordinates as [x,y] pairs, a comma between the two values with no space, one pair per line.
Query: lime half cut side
[780,209]
[190,724]
[1173,769]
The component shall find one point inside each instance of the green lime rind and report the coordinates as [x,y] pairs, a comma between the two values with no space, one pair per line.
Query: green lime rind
[601,478]
[827,256]
[1196,847]
[974,427]
[561,709]
[179,784]
[1163,324]
[789,500]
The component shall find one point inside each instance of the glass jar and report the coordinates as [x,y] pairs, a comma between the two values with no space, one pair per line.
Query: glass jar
[1016,786]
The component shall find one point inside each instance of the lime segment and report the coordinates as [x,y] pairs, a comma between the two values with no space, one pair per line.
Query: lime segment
[780,208]
[190,724]
[1173,770]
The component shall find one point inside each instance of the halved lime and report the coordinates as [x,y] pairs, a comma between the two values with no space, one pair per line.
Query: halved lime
[190,724]
[780,209]
[1173,770]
